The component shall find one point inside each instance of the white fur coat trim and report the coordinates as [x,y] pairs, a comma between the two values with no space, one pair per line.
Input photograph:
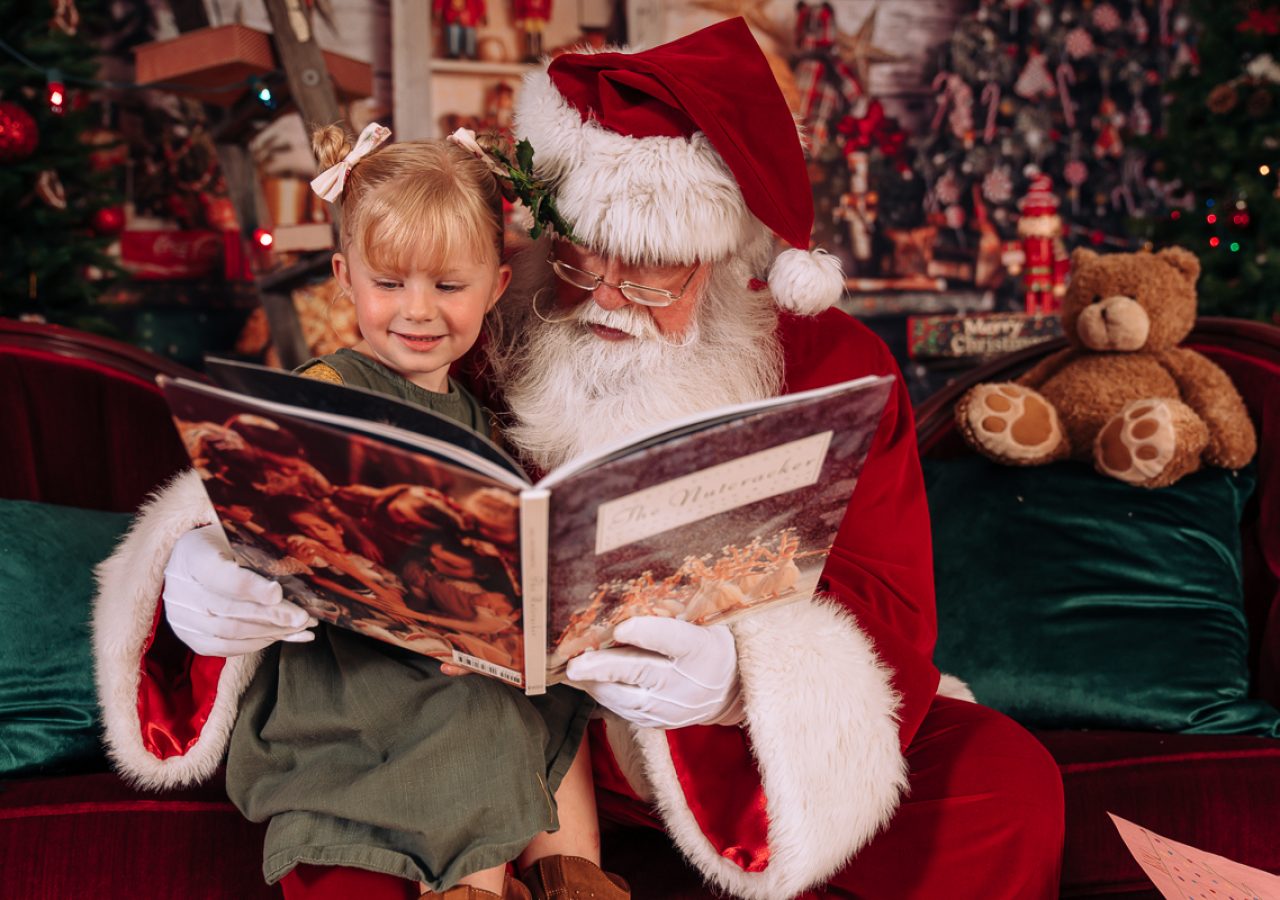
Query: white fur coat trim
[129,585]
[653,199]
[822,716]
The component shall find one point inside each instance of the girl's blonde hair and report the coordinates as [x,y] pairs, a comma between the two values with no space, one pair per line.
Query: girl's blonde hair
[414,205]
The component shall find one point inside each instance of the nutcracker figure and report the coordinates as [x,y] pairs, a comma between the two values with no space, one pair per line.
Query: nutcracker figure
[1039,249]
[460,19]
[531,17]
[815,28]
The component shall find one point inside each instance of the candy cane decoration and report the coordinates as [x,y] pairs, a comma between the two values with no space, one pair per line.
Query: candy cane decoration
[941,79]
[991,97]
[1122,193]
[1066,76]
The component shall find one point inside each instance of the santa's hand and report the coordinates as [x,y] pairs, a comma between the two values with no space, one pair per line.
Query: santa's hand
[670,674]
[219,609]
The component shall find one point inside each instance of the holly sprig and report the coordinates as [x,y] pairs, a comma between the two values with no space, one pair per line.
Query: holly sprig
[516,175]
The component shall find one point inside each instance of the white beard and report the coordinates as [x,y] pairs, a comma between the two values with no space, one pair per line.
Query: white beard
[570,391]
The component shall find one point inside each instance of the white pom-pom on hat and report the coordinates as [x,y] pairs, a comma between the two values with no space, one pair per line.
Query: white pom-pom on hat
[806,282]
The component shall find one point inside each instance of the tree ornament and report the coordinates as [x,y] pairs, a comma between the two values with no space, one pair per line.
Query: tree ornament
[997,187]
[66,18]
[19,135]
[109,149]
[1035,82]
[109,220]
[1138,26]
[991,97]
[1066,76]
[1261,22]
[859,50]
[947,190]
[1079,43]
[1107,124]
[958,96]
[1075,173]
[49,189]
[1222,99]
[1106,18]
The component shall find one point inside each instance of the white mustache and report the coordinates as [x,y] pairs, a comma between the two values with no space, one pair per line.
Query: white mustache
[627,319]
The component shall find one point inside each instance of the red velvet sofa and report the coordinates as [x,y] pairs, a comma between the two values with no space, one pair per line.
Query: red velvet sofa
[84,426]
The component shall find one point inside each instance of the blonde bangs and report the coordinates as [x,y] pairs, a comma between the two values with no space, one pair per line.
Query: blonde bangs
[412,225]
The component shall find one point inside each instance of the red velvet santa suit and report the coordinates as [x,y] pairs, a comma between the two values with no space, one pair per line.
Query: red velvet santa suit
[839,697]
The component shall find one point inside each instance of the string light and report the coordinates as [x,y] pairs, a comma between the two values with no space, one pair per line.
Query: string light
[1211,218]
[1235,247]
[176,87]
[1213,242]
[56,92]
[1264,170]
[262,91]
[263,238]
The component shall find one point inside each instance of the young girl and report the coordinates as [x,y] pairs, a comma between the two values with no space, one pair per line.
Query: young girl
[367,758]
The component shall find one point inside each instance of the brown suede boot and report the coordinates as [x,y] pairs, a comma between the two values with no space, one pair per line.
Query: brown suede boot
[572,878]
[512,889]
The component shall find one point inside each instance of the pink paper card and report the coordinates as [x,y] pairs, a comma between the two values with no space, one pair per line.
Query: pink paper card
[1181,872]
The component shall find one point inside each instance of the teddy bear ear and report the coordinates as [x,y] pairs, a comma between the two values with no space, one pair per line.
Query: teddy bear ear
[1181,259]
[1082,255]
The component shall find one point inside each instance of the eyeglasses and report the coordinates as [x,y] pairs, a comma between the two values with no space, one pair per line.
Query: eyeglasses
[636,293]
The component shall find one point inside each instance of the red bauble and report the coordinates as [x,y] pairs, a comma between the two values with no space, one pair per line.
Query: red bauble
[109,220]
[18,133]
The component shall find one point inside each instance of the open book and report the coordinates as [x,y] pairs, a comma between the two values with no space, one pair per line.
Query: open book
[381,517]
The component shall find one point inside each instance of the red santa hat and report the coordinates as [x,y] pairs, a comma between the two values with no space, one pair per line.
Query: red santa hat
[683,152]
[1040,200]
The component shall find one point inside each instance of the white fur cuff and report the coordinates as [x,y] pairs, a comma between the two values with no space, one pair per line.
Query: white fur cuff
[822,717]
[129,585]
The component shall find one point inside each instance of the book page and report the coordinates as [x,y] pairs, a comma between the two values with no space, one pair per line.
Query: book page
[397,545]
[1182,872]
[708,526]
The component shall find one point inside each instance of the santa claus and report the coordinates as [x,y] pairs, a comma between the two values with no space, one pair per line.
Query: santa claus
[807,749]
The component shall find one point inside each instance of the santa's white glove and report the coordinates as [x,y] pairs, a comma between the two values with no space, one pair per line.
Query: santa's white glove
[670,674]
[219,609]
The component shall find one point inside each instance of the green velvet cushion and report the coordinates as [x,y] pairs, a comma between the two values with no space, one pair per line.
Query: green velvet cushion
[1070,600]
[48,707]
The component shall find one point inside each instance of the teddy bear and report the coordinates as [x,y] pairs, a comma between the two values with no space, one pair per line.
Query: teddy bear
[1123,394]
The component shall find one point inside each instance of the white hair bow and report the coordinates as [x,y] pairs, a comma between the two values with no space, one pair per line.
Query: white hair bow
[329,183]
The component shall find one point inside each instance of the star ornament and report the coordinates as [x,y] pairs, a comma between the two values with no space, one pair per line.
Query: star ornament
[860,52]
[751,10]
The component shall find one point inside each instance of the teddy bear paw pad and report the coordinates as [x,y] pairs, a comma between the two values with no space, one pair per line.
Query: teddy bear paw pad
[1014,422]
[1138,442]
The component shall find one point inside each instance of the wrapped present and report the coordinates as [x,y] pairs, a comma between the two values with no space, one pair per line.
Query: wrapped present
[912,249]
[165,255]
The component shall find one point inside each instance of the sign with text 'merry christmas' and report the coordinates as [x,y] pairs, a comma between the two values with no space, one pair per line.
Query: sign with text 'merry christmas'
[954,337]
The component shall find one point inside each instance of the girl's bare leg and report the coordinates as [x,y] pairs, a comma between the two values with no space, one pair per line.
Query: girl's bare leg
[579,833]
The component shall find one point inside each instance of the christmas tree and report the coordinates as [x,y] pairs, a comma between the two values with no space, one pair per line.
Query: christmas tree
[857,154]
[1062,90]
[1221,147]
[59,202]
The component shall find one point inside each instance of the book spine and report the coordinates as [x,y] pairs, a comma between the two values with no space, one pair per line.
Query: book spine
[535,508]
